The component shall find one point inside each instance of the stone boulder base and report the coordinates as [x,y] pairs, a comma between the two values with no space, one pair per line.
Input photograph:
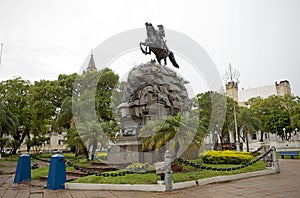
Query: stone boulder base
[151,91]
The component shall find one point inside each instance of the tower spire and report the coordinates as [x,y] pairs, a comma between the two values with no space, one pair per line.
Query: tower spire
[92,65]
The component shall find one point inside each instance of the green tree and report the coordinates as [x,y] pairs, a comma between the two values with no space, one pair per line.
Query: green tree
[275,113]
[295,116]
[108,80]
[66,83]
[16,96]
[45,100]
[90,103]
[36,142]
[93,101]
[65,118]
[247,123]
[215,112]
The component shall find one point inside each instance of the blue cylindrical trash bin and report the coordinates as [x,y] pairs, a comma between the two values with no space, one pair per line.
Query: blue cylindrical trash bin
[57,172]
[23,172]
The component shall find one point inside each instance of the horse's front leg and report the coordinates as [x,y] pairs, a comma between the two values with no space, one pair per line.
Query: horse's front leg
[165,60]
[149,50]
[158,60]
[145,52]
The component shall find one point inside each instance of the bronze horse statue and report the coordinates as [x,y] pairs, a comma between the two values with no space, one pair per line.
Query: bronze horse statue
[156,44]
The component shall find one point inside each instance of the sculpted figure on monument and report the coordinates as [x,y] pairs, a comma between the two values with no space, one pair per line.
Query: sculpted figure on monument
[155,43]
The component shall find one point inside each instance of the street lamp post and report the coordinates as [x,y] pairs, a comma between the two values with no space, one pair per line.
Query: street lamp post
[284,133]
[288,135]
[296,131]
[233,76]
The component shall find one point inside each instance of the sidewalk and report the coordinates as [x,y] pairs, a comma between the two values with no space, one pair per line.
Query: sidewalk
[284,184]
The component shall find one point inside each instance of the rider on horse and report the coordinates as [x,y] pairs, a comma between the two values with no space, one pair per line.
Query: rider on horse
[155,37]
[155,43]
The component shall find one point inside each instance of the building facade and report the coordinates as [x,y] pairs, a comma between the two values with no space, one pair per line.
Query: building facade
[280,89]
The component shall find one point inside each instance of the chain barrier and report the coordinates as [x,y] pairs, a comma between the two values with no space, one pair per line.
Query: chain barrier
[257,150]
[186,162]
[70,163]
[142,170]
[40,159]
[146,168]
[48,161]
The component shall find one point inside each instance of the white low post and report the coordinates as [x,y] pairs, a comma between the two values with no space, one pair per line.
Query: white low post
[168,171]
[275,160]
[265,150]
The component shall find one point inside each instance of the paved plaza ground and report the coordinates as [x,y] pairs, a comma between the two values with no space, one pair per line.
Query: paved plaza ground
[284,184]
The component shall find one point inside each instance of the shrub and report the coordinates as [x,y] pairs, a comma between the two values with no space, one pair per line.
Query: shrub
[102,155]
[226,157]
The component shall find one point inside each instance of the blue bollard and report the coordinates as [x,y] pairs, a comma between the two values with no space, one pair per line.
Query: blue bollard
[23,172]
[57,172]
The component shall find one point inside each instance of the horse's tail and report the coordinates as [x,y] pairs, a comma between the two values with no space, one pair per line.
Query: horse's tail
[172,59]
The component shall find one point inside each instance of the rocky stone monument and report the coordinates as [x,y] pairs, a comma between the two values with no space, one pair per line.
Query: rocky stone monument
[152,91]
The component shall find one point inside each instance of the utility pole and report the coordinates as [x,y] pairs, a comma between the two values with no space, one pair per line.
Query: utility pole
[233,76]
[1,52]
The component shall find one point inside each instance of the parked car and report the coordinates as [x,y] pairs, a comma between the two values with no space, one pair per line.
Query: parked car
[44,152]
[8,151]
[34,165]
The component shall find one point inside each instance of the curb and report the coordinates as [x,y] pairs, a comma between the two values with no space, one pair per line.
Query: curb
[162,188]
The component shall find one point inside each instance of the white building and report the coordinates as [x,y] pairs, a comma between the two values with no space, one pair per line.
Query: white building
[242,96]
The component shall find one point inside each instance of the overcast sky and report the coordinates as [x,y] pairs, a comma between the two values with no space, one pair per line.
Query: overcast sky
[45,38]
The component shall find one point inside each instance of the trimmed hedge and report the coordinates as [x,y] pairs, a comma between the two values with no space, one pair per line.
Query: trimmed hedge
[226,157]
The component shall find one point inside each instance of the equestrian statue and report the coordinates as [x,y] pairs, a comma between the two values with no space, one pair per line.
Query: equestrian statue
[155,43]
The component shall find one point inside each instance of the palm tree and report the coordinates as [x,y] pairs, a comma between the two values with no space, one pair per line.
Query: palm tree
[175,132]
[66,121]
[73,140]
[92,134]
[248,123]
[8,125]
[8,121]
[65,118]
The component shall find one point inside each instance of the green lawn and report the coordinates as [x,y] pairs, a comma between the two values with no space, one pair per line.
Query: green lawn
[42,171]
[36,173]
[12,158]
[189,174]
[177,177]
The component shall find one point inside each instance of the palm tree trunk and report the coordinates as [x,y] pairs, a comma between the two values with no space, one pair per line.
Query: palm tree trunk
[76,148]
[94,149]
[247,141]
[261,136]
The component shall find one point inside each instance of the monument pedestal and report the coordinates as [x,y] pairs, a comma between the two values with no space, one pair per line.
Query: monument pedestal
[128,150]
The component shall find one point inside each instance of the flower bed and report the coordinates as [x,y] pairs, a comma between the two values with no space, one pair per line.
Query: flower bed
[226,157]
